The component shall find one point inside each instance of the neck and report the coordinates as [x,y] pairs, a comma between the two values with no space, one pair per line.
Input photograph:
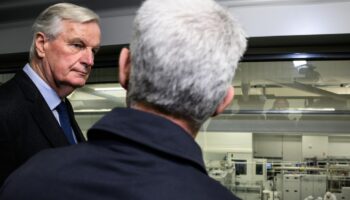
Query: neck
[180,122]
[62,91]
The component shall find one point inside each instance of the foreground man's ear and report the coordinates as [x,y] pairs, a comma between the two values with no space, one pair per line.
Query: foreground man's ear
[124,67]
[225,102]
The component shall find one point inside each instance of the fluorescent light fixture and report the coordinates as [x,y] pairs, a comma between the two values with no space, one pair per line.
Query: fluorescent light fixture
[92,110]
[298,63]
[317,109]
[109,89]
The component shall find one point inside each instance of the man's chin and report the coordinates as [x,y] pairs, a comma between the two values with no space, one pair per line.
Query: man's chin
[78,83]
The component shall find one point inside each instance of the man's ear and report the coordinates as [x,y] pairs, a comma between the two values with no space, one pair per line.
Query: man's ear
[39,44]
[225,102]
[124,67]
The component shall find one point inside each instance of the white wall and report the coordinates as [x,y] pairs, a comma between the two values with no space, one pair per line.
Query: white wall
[286,147]
[339,146]
[291,148]
[298,147]
[267,145]
[259,19]
[225,142]
[315,146]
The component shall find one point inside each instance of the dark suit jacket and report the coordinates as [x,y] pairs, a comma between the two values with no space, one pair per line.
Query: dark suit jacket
[27,124]
[131,155]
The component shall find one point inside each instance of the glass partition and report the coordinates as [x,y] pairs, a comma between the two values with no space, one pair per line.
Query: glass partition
[289,121]
[289,96]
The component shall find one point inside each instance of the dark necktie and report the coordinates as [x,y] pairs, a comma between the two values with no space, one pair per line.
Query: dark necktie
[65,122]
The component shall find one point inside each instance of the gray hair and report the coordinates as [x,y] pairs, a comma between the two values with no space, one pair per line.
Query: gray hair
[49,21]
[184,55]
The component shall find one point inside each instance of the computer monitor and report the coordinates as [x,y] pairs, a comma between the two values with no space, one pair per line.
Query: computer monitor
[268,166]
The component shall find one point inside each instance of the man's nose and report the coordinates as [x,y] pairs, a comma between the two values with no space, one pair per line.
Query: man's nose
[88,57]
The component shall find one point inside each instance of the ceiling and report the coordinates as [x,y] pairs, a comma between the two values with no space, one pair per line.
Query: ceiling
[29,9]
[18,10]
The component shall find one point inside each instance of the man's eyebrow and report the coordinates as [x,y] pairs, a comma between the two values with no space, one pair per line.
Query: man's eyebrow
[77,39]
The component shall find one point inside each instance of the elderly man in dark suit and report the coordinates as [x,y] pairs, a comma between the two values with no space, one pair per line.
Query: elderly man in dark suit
[34,111]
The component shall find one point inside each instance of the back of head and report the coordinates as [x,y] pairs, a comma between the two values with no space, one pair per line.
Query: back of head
[49,21]
[184,54]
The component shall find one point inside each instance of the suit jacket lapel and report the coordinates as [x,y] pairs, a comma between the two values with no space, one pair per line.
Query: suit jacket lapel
[41,112]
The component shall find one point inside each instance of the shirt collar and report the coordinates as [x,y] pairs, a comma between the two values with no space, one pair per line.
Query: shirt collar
[50,96]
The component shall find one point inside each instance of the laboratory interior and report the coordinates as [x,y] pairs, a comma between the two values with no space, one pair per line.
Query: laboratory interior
[286,135]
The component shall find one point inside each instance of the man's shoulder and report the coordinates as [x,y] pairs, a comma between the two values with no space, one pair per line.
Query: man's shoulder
[8,85]
[10,95]
[16,89]
[213,189]
[194,184]
[53,161]
[13,86]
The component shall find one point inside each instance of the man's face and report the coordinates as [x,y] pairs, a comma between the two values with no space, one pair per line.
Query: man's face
[281,104]
[70,56]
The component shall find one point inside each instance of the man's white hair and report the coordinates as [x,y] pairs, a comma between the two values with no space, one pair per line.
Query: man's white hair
[49,21]
[184,54]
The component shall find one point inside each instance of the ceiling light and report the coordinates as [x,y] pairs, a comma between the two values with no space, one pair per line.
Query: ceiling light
[109,89]
[298,63]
